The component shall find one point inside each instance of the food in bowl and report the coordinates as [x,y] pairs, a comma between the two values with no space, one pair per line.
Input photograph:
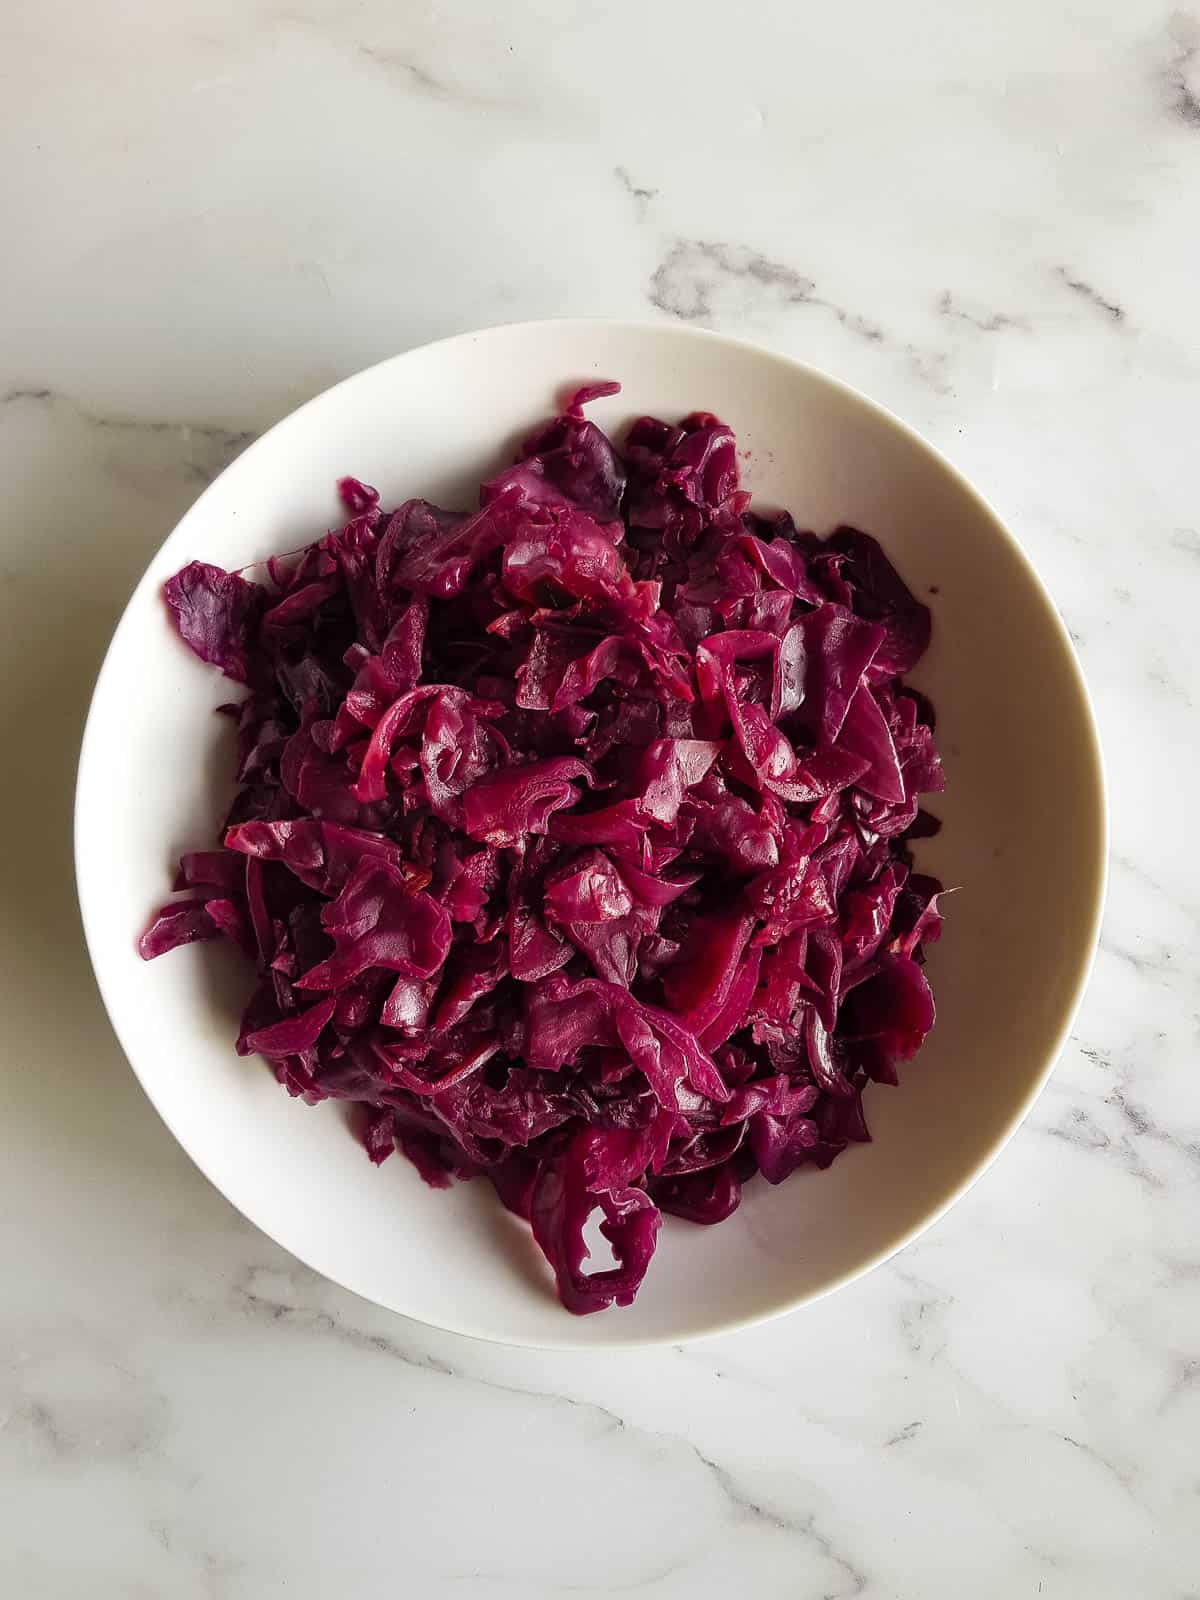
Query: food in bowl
[572,835]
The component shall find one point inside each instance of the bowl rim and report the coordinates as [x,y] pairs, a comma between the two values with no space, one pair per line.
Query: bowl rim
[1084,958]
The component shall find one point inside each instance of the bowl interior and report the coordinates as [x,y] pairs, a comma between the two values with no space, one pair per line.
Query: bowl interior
[1023,836]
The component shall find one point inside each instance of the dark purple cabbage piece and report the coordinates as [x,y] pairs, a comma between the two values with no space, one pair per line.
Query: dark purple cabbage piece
[570,836]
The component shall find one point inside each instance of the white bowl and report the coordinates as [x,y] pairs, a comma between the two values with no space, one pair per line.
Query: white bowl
[1024,836]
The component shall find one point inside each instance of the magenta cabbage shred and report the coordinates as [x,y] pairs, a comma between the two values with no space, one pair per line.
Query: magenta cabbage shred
[571,833]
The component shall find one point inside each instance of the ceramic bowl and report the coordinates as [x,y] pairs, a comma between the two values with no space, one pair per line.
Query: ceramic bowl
[1023,837]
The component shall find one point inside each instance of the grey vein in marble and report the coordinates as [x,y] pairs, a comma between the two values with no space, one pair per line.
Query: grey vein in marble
[222,444]
[922,1319]
[419,76]
[686,282]
[427,83]
[316,1321]
[1183,33]
[1092,296]
[995,322]
[106,1413]
[1131,1138]
[640,195]
[1124,1479]
[907,1432]
[803,1527]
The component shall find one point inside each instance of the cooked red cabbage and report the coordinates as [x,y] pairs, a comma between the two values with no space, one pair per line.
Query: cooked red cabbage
[570,834]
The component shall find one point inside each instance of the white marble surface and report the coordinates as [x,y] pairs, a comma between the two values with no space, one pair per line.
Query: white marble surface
[986,216]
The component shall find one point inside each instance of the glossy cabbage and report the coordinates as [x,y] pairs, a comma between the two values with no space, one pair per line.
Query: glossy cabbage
[570,835]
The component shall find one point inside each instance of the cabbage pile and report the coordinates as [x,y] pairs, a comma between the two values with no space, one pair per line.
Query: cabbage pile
[571,833]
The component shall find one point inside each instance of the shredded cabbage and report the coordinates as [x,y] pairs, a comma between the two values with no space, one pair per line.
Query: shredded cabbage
[571,834]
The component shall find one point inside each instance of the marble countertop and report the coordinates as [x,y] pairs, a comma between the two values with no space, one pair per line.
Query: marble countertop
[983,215]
